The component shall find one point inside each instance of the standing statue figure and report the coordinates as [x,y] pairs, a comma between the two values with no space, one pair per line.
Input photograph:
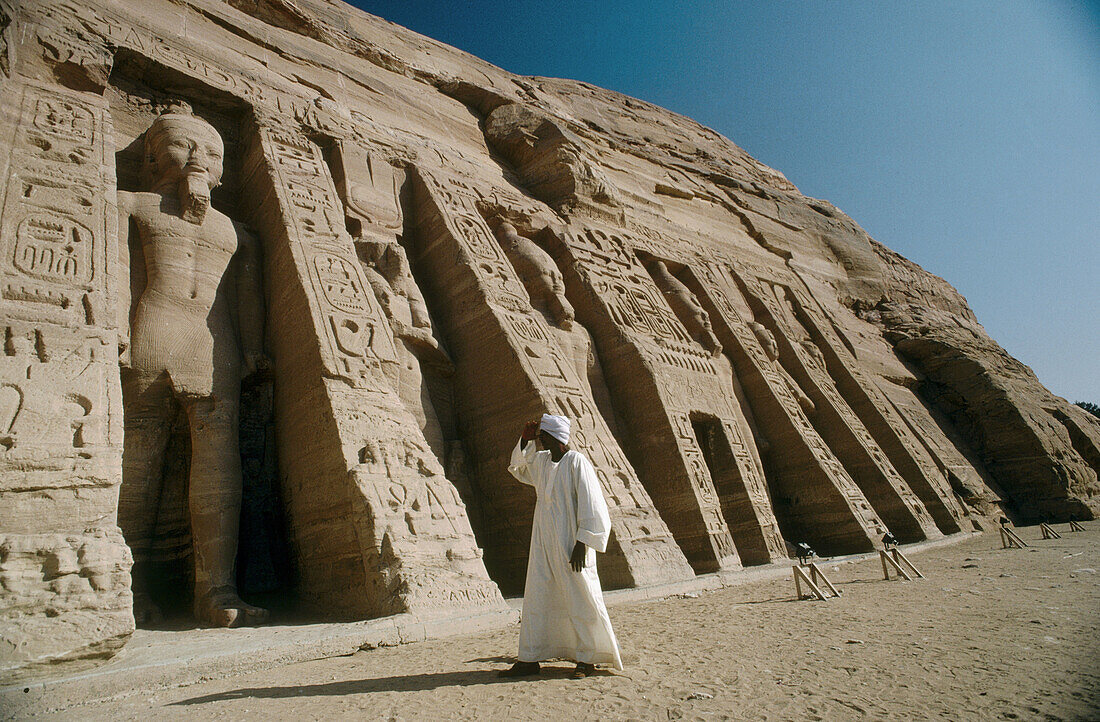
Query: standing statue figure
[197,324]
[686,307]
[387,270]
[539,274]
[771,348]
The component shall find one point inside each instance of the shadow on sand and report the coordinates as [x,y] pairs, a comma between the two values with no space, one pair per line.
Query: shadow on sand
[407,683]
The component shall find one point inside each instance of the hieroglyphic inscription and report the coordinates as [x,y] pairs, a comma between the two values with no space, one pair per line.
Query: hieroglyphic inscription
[715,287]
[756,487]
[606,260]
[51,403]
[638,306]
[54,248]
[54,229]
[798,315]
[933,450]
[123,32]
[540,353]
[702,484]
[548,355]
[358,335]
[419,516]
[480,250]
[816,318]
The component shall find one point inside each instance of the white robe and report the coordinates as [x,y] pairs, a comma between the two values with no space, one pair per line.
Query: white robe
[563,611]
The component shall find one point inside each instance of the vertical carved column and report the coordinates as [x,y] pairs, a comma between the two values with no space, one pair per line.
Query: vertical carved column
[62,555]
[661,375]
[815,498]
[941,457]
[376,526]
[734,466]
[885,422]
[503,346]
[902,512]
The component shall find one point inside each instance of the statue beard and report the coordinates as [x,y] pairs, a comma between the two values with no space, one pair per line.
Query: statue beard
[194,192]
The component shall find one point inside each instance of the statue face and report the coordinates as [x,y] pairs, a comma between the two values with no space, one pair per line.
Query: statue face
[767,340]
[186,147]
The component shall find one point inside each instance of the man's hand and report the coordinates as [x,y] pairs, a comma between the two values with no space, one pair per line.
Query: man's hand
[530,431]
[577,560]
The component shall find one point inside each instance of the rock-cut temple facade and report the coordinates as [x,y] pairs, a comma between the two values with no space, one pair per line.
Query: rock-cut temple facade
[280,282]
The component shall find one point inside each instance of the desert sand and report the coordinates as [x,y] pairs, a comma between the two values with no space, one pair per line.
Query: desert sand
[989,634]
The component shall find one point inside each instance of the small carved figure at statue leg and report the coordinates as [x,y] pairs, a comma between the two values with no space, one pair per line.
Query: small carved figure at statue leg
[148,411]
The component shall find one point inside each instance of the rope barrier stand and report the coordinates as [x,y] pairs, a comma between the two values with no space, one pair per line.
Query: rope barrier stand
[901,564]
[815,581]
[1010,540]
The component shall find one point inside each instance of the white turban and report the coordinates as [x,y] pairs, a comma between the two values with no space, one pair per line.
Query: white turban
[556,426]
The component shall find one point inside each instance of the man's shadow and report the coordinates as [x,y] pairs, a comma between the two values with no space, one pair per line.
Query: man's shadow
[407,683]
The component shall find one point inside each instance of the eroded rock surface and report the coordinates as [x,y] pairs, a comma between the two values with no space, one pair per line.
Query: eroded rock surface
[445,250]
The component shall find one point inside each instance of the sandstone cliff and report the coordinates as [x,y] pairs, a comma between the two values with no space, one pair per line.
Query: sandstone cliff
[448,250]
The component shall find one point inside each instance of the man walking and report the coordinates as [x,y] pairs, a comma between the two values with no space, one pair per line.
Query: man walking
[563,611]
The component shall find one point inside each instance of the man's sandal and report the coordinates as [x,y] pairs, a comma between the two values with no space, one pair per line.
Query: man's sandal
[520,669]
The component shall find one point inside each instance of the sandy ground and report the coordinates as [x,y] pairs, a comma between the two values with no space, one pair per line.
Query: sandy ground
[989,634]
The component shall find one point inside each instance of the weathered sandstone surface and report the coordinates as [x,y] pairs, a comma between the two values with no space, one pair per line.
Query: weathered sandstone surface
[375,257]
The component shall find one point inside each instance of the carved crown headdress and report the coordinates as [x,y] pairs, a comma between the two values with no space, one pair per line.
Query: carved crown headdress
[175,112]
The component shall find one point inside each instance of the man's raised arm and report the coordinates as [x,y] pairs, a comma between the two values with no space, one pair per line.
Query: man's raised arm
[524,454]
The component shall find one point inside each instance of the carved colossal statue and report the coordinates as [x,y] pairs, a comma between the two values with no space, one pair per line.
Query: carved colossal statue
[387,270]
[539,273]
[180,346]
[400,297]
[771,348]
[686,307]
[813,352]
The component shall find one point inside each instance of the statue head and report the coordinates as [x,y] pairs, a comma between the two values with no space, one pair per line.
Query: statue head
[766,339]
[814,352]
[183,151]
[397,262]
[507,234]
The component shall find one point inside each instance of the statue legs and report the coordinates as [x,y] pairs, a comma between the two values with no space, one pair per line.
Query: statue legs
[214,494]
[214,499]
[148,410]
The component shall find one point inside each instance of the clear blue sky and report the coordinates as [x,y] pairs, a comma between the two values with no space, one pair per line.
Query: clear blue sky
[964,135]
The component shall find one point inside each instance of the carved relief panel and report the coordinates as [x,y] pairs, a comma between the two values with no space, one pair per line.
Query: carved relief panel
[54,223]
[356,333]
[54,273]
[548,356]
[884,411]
[65,564]
[788,306]
[755,279]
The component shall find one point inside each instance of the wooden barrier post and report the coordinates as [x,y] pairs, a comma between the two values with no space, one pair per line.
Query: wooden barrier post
[1075,526]
[815,581]
[900,559]
[905,569]
[887,559]
[1009,539]
[1048,531]
[822,580]
[800,576]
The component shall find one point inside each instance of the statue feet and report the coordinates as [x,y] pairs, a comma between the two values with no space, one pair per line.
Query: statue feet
[221,607]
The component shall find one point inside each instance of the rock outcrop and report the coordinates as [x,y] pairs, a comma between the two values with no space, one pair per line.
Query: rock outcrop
[445,251]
